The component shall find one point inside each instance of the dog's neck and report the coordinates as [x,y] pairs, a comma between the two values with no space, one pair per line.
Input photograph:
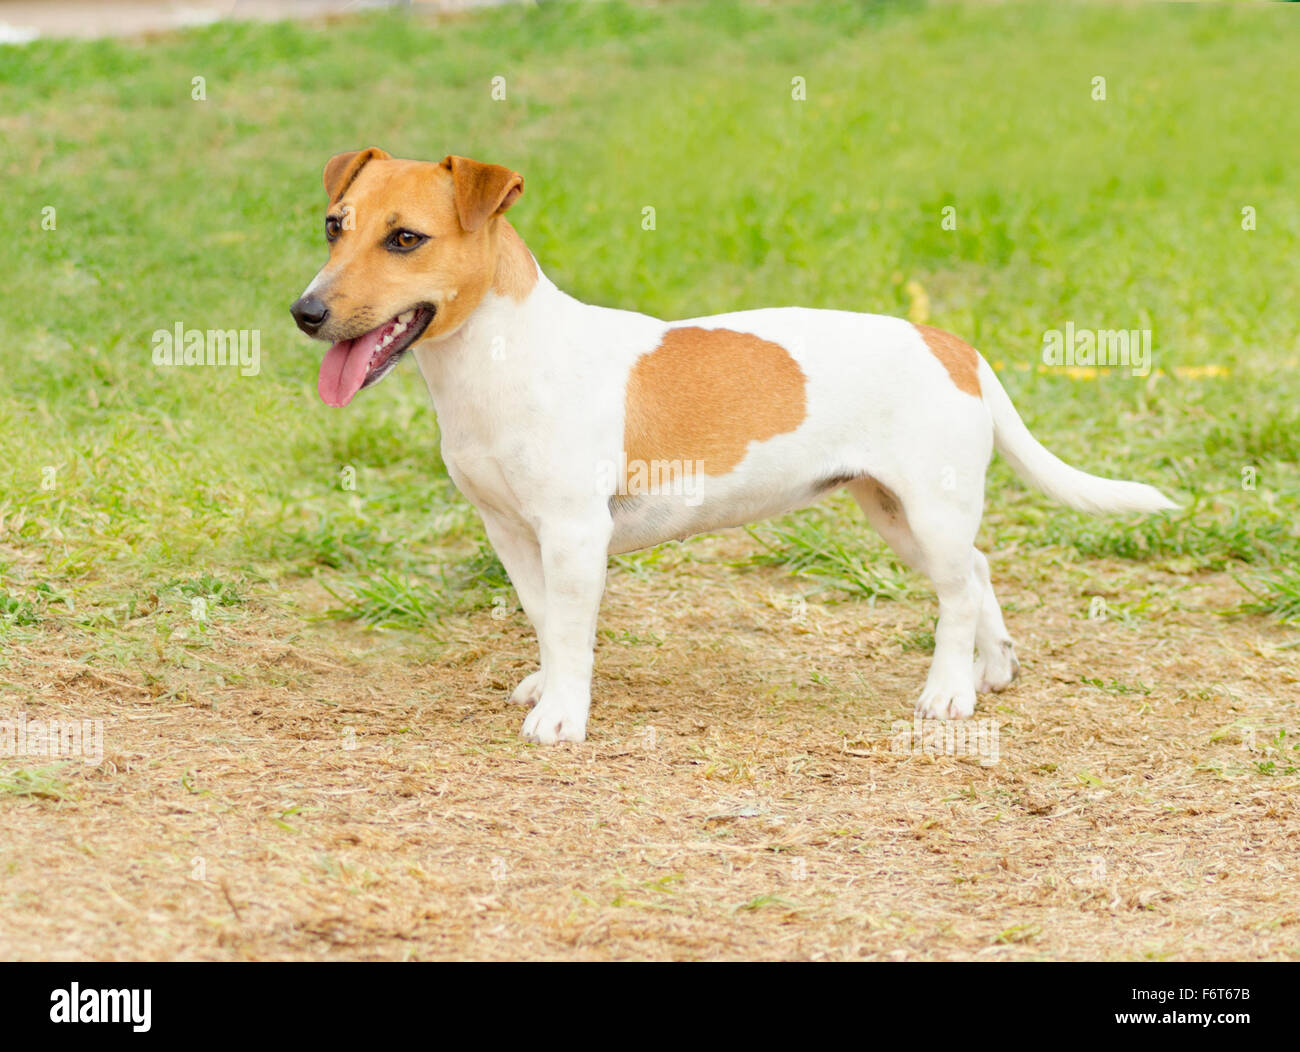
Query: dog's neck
[517,271]
[519,310]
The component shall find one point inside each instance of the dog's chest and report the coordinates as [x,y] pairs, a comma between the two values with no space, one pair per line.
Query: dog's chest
[485,484]
[488,462]
[506,424]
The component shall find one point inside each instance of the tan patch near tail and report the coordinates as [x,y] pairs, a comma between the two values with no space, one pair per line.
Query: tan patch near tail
[960,359]
[703,395]
[516,272]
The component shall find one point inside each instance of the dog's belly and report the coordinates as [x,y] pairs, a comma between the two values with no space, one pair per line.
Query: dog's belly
[642,521]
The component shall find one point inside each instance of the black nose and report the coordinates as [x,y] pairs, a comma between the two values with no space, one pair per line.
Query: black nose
[310,314]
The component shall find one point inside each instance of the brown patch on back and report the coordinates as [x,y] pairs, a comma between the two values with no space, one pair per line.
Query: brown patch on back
[516,272]
[960,359]
[706,394]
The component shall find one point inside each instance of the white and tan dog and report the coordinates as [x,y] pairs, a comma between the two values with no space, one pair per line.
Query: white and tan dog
[580,431]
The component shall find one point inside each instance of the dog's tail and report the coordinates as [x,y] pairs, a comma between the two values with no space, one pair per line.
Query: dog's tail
[1033,463]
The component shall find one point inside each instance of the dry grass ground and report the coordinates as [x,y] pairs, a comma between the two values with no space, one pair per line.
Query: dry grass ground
[305,789]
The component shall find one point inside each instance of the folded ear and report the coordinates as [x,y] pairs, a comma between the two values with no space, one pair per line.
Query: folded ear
[482,190]
[343,168]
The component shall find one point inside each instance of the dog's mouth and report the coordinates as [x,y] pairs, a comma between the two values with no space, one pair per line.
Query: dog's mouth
[350,365]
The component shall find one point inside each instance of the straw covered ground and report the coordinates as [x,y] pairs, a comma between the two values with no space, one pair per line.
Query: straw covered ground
[327,792]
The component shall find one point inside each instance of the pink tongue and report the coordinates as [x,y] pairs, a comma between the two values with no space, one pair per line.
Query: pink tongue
[345,367]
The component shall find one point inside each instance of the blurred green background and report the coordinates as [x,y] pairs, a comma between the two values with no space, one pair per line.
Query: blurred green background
[1122,213]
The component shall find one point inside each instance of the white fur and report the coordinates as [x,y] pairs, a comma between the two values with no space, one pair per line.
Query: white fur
[530,400]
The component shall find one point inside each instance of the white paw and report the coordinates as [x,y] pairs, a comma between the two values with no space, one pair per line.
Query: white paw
[529,691]
[997,669]
[947,702]
[553,721]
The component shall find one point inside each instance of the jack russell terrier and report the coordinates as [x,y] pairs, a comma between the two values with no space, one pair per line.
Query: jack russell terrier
[579,431]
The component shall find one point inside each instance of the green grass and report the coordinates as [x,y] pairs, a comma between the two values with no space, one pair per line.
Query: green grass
[120,479]
[389,600]
[41,783]
[835,553]
[1277,594]
[17,611]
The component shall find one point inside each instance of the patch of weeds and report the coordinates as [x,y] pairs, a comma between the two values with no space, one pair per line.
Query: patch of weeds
[1114,686]
[340,545]
[415,601]
[629,637]
[206,586]
[665,883]
[43,783]
[482,570]
[759,902]
[922,641]
[1287,753]
[1275,756]
[280,818]
[15,611]
[809,549]
[48,594]
[1127,615]
[1276,594]
[390,601]
[1204,537]
[1264,433]
[1017,933]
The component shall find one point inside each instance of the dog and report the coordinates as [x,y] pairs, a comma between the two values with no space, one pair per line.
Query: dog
[580,431]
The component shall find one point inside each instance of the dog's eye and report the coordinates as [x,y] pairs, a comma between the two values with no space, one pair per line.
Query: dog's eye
[333,227]
[405,240]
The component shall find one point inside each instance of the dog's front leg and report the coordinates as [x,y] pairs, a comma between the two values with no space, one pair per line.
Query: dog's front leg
[574,557]
[517,548]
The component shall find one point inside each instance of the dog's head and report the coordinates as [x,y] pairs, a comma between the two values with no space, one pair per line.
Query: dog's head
[413,249]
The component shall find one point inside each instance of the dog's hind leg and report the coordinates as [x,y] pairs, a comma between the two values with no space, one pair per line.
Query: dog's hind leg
[529,690]
[885,512]
[996,665]
[935,536]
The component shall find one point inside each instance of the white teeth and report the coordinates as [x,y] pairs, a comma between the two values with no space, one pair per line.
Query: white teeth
[402,322]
